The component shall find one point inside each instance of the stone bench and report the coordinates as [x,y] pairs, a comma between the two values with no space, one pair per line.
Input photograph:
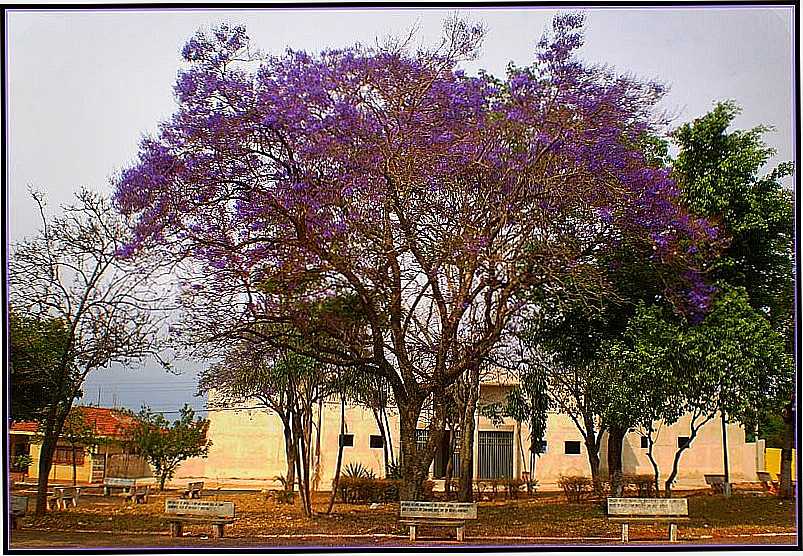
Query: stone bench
[193,490]
[17,509]
[178,512]
[629,510]
[62,497]
[436,514]
[118,483]
[138,494]
[716,482]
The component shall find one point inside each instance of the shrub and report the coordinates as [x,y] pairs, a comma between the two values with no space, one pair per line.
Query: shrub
[393,471]
[512,487]
[576,488]
[356,469]
[357,490]
[642,486]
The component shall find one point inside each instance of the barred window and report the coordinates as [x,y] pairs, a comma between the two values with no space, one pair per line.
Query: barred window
[347,440]
[63,455]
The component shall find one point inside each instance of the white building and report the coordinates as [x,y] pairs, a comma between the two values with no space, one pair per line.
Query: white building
[248,448]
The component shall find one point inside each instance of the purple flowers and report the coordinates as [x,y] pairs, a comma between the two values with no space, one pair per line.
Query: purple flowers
[339,160]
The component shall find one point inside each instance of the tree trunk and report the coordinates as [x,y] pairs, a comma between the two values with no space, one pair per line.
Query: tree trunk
[381,426]
[616,435]
[785,490]
[162,480]
[290,454]
[45,464]
[384,416]
[591,439]
[336,480]
[74,481]
[317,476]
[651,457]
[592,447]
[301,462]
[414,462]
[671,478]
[465,491]
[52,430]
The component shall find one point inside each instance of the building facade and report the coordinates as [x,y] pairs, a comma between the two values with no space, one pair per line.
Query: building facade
[248,448]
[92,463]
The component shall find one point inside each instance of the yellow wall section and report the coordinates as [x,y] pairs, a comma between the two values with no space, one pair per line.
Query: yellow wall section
[772,461]
[83,473]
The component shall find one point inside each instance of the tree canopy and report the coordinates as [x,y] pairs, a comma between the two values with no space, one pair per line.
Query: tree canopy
[432,198]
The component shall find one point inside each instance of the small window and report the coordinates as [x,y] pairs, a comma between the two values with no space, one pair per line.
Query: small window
[64,455]
[683,442]
[572,447]
[644,443]
[540,446]
[377,441]
[347,440]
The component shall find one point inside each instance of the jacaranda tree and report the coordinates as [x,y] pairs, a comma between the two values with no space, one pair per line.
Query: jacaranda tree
[430,197]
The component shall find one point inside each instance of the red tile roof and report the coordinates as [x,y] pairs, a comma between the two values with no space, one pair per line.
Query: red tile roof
[107,421]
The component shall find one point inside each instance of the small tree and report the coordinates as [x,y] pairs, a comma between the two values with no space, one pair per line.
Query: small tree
[166,445]
[729,363]
[71,282]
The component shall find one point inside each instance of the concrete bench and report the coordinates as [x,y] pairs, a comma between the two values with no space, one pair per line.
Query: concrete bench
[716,482]
[766,481]
[218,514]
[138,494]
[193,490]
[630,510]
[18,509]
[64,496]
[118,483]
[436,514]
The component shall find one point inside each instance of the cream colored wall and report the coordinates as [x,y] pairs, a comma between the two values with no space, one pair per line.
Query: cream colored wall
[248,448]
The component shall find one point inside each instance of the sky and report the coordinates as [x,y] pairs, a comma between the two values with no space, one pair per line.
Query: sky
[84,87]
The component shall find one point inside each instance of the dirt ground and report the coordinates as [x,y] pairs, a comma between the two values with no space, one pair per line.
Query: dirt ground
[748,518]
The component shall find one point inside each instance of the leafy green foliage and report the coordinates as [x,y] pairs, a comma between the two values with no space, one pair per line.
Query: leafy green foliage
[37,348]
[720,176]
[165,445]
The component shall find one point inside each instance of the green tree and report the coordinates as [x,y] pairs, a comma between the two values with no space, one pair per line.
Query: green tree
[37,345]
[721,176]
[166,445]
[733,362]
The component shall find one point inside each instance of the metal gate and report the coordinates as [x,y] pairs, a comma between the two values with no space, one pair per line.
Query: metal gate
[98,467]
[495,454]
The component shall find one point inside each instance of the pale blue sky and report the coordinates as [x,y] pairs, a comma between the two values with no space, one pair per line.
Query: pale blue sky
[83,87]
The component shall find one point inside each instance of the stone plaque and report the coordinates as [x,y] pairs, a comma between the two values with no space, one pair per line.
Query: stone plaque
[196,507]
[648,506]
[119,482]
[438,510]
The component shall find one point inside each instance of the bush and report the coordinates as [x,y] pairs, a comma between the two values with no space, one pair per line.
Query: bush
[360,490]
[393,471]
[356,469]
[642,486]
[576,488]
[512,487]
